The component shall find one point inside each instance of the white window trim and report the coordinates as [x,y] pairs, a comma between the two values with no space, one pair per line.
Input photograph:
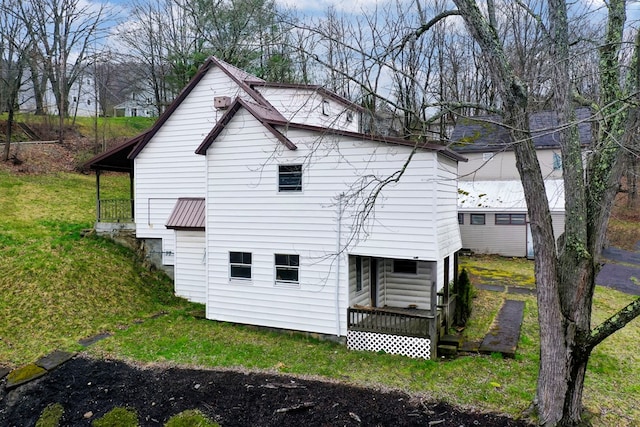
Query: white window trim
[285,283]
[241,279]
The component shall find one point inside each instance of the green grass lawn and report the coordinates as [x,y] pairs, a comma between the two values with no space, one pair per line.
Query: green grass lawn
[58,287]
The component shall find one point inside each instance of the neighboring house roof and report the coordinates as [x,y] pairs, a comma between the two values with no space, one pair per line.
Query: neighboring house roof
[485,134]
[188,214]
[505,196]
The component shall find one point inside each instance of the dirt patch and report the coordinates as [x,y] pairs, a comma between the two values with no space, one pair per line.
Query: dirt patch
[89,388]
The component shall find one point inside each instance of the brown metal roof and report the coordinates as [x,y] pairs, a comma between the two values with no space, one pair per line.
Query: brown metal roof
[188,214]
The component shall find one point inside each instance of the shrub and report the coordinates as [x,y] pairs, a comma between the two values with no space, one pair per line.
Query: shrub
[463,305]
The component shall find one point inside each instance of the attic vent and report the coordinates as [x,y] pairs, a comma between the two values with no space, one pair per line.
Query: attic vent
[221,102]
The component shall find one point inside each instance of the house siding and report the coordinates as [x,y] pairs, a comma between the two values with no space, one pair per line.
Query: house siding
[305,106]
[168,168]
[502,166]
[246,213]
[506,240]
[403,290]
[190,265]
[363,297]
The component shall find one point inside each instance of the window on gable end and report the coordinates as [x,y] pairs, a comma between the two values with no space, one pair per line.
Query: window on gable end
[289,178]
[326,108]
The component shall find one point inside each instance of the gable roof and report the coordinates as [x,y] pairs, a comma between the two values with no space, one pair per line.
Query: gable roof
[485,134]
[271,119]
[117,158]
[188,214]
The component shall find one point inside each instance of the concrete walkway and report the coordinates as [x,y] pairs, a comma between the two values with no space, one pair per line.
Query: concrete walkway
[504,334]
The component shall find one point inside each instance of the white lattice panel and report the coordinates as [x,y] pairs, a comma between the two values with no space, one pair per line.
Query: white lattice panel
[393,344]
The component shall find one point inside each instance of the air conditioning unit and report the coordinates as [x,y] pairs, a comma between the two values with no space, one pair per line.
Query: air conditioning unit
[222,102]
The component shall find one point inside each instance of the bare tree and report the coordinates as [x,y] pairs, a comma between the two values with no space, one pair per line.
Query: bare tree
[14,44]
[62,30]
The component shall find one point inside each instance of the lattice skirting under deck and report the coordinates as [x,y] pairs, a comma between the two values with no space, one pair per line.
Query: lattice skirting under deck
[393,344]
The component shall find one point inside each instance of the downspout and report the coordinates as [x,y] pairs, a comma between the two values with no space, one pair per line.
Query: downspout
[339,261]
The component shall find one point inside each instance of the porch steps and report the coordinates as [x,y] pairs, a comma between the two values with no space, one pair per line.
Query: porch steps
[504,334]
[448,345]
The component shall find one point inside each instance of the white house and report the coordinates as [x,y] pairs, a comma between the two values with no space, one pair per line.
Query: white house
[139,103]
[492,211]
[274,210]
[83,98]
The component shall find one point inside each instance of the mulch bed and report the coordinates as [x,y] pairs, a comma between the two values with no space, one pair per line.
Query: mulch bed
[89,388]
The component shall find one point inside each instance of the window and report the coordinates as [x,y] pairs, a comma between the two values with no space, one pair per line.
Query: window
[349,116]
[404,266]
[510,219]
[287,268]
[325,107]
[557,162]
[289,178]
[240,265]
[477,219]
[487,156]
[460,218]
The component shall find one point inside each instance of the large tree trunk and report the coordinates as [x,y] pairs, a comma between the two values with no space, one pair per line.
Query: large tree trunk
[565,275]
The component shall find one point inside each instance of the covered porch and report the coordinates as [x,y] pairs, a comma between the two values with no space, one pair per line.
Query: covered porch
[395,305]
[114,214]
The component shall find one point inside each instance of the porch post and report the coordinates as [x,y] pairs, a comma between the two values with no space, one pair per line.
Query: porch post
[433,325]
[97,195]
[132,201]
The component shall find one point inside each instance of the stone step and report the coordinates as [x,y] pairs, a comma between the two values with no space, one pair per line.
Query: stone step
[452,340]
[447,350]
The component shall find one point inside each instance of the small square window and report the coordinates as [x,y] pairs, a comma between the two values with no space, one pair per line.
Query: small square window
[287,268]
[477,219]
[487,156]
[404,266]
[289,178]
[460,218]
[240,265]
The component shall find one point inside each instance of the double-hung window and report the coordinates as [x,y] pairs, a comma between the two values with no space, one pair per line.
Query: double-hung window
[477,219]
[289,178]
[405,266]
[287,268]
[240,265]
[511,219]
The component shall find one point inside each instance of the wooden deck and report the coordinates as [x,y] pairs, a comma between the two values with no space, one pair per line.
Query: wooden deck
[393,321]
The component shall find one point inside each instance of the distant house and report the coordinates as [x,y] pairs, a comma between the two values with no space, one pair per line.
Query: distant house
[83,98]
[137,104]
[254,193]
[492,211]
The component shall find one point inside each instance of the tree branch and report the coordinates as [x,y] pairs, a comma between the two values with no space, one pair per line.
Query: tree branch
[614,323]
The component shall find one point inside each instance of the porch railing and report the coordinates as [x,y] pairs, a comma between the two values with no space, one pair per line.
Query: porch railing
[391,321]
[448,309]
[115,210]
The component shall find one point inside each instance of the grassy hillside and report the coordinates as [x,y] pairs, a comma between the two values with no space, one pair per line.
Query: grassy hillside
[56,286]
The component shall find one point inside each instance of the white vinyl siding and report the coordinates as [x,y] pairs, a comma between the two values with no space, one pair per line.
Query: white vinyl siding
[168,168]
[190,263]
[505,240]
[363,296]
[245,210]
[404,290]
[307,106]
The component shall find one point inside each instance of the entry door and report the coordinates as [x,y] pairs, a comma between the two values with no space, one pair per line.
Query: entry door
[529,242]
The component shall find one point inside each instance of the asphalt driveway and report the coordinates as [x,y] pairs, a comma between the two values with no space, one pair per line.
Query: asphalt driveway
[621,270]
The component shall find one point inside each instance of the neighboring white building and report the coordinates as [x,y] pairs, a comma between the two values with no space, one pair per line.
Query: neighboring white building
[83,98]
[492,211]
[251,188]
[137,104]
